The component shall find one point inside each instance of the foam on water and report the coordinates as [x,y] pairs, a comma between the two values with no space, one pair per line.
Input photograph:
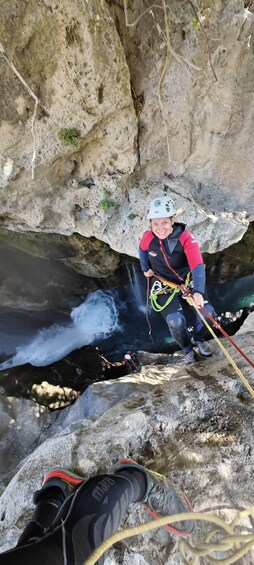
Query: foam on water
[96,318]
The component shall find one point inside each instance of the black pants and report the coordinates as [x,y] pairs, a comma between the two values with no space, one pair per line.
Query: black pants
[87,517]
[179,315]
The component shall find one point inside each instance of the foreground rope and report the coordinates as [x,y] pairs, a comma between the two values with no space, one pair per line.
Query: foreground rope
[230,542]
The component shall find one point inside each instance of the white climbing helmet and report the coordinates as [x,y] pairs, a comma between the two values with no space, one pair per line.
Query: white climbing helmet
[161,207]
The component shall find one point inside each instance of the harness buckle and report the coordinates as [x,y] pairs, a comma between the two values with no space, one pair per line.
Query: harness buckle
[185,288]
[159,288]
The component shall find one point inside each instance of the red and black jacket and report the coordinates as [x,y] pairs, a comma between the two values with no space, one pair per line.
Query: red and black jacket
[179,251]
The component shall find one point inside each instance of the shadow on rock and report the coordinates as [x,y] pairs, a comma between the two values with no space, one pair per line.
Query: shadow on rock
[58,385]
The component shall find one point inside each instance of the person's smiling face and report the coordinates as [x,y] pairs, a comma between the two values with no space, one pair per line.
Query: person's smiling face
[162,227]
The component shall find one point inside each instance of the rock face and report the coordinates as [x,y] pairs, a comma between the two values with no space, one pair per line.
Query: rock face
[22,425]
[188,423]
[87,256]
[114,107]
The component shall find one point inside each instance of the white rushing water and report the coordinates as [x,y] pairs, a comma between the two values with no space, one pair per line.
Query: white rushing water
[96,318]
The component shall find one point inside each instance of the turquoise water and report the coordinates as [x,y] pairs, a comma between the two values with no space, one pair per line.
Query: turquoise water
[233,296]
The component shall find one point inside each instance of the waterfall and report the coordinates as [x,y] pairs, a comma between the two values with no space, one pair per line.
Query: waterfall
[137,286]
[96,318]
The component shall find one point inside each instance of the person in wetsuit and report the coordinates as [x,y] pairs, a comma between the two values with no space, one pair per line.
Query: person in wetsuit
[168,250]
[73,516]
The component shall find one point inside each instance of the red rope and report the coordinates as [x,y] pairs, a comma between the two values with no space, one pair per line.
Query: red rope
[167,262]
[188,293]
[228,337]
[147,308]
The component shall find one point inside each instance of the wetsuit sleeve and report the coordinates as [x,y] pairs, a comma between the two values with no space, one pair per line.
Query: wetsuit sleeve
[198,277]
[143,257]
[195,260]
[143,250]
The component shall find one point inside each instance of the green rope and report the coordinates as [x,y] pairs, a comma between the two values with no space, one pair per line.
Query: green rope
[154,302]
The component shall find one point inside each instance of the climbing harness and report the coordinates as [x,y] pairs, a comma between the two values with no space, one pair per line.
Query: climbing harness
[169,288]
[162,287]
[158,289]
[230,540]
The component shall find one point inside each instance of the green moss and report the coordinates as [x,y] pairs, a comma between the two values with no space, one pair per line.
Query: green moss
[90,110]
[69,136]
[195,23]
[107,203]
[131,216]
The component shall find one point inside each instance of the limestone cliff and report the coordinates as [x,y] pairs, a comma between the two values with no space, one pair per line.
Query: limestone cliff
[113,106]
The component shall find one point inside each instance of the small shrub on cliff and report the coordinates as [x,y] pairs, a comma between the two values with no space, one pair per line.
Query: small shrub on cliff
[69,136]
[90,111]
[106,203]
[131,216]
[195,23]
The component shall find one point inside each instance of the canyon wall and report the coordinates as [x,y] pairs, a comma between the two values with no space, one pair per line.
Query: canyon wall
[105,105]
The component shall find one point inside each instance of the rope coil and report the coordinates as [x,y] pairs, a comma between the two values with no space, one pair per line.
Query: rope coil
[230,540]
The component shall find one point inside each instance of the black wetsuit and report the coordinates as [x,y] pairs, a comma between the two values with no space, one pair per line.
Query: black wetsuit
[87,517]
[172,259]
